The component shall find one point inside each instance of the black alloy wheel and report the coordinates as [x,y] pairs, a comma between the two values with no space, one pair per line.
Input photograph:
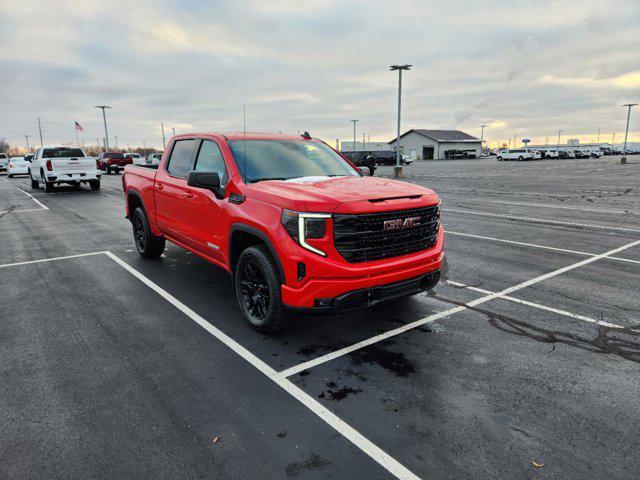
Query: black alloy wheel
[255,290]
[139,233]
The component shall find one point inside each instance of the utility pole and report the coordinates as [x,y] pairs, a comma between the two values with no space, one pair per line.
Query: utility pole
[397,170]
[116,142]
[40,130]
[613,139]
[353,148]
[559,133]
[598,141]
[26,137]
[164,143]
[106,133]
[482,138]
[623,160]
[514,139]
[338,144]
[363,141]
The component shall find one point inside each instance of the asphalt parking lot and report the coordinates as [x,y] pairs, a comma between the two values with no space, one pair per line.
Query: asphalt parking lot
[523,363]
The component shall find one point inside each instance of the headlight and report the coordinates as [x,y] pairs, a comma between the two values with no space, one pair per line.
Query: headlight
[303,225]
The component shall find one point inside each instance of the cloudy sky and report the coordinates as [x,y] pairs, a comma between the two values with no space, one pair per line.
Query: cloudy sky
[527,68]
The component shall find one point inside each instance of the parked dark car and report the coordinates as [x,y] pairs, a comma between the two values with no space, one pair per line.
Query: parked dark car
[361,159]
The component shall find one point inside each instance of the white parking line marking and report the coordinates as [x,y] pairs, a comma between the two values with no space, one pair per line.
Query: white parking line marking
[577,252]
[539,306]
[431,318]
[373,451]
[44,207]
[542,220]
[53,259]
[561,207]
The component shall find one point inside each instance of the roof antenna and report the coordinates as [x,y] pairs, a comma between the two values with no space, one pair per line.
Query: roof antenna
[244,138]
[306,135]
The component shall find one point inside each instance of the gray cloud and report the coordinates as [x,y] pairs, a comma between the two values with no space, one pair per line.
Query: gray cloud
[314,65]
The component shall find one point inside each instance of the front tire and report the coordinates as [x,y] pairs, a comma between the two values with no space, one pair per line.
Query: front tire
[257,284]
[34,183]
[148,244]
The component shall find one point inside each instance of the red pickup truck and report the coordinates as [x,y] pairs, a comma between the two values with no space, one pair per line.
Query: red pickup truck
[296,225]
[112,162]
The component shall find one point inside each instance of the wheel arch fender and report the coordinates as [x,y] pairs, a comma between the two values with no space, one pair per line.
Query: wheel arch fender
[242,236]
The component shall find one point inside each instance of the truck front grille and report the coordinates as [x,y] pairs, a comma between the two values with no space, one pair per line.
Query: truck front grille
[362,238]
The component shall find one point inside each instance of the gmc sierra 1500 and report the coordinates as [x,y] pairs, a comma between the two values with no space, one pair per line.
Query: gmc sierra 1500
[297,226]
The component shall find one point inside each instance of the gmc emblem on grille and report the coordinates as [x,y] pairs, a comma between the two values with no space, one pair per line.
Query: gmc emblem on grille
[399,224]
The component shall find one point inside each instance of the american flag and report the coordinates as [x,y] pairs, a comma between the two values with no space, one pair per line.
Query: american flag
[79,127]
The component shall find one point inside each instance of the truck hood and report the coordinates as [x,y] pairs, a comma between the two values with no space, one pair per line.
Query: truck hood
[347,194]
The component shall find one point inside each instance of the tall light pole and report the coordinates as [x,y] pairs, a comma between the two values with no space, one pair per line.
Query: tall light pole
[598,141]
[174,131]
[353,148]
[116,136]
[106,133]
[40,130]
[364,141]
[164,142]
[559,133]
[397,171]
[26,137]
[613,139]
[482,138]
[623,160]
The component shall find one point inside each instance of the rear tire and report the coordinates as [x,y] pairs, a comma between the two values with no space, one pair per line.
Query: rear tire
[94,184]
[9,175]
[48,186]
[148,244]
[258,289]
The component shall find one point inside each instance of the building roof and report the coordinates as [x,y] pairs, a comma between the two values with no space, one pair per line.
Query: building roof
[442,136]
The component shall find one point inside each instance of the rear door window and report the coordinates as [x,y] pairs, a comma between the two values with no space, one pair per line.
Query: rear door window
[180,160]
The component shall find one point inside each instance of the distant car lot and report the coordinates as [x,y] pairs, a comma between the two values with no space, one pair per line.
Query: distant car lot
[524,363]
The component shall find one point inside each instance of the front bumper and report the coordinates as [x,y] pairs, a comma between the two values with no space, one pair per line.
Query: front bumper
[368,297]
[306,295]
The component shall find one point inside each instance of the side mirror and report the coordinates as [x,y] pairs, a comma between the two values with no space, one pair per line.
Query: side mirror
[365,171]
[206,180]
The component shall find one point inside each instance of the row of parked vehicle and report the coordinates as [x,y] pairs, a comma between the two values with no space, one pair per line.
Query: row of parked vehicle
[50,166]
[522,154]
[110,162]
[372,158]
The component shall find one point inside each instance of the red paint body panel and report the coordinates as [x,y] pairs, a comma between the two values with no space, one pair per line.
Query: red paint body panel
[195,219]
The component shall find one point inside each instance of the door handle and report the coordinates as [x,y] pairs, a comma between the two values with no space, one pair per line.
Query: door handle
[188,195]
[159,186]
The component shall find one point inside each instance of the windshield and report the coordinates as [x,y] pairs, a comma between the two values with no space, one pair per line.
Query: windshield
[114,155]
[62,152]
[286,159]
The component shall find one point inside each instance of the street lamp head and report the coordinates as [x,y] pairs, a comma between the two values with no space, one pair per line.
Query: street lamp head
[629,104]
[101,106]
[400,67]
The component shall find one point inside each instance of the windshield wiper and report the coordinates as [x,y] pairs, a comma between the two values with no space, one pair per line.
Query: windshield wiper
[254,180]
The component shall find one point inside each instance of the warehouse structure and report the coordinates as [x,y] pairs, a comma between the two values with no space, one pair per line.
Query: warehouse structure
[438,144]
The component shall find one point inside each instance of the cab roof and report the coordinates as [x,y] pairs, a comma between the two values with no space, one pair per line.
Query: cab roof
[248,135]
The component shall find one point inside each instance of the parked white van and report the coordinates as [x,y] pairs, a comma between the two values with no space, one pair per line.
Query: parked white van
[518,154]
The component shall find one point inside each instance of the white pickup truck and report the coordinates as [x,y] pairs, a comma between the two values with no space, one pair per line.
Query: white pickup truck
[55,165]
